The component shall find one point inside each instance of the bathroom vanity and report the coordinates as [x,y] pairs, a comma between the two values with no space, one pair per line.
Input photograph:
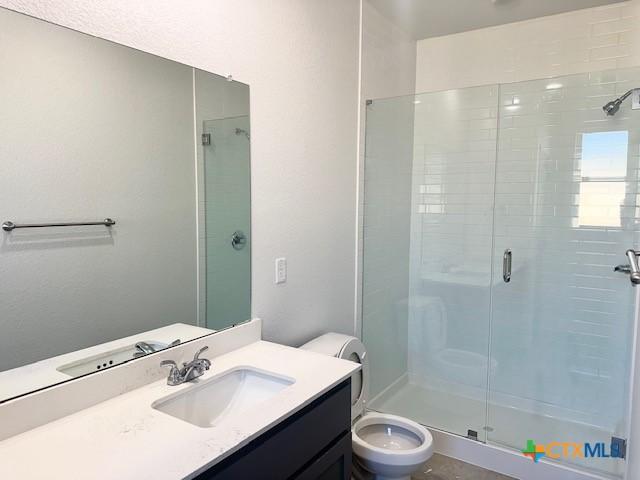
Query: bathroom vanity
[262,410]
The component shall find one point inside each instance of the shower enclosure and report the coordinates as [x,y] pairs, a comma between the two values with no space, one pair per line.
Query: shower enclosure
[493,219]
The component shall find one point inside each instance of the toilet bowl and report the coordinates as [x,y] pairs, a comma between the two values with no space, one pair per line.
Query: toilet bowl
[389,446]
[385,446]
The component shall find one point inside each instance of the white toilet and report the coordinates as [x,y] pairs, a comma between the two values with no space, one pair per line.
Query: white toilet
[384,446]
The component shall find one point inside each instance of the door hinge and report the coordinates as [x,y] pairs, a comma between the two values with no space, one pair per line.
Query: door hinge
[618,447]
[206,139]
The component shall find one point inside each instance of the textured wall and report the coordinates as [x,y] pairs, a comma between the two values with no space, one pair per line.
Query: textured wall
[301,60]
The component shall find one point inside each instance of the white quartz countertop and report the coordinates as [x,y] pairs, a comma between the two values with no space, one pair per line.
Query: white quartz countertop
[125,438]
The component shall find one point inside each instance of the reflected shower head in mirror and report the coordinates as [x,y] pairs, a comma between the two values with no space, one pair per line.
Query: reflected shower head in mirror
[240,131]
[613,106]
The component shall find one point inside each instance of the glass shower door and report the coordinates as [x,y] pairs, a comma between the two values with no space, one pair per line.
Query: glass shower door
[565,213]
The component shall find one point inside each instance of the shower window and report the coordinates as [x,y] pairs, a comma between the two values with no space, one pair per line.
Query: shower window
[603,167]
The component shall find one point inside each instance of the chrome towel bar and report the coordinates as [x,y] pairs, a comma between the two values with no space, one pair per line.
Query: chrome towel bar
[9,225]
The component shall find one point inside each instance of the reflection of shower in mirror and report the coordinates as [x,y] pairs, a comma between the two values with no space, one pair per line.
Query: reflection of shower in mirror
[241,131]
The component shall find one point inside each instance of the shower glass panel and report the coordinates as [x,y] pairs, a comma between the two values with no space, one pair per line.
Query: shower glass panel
[227,209]
[563,327]
[493,219]
[386,239]
[441,369]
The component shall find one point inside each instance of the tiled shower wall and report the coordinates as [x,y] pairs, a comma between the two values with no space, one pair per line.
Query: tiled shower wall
[588,40]
[567,298]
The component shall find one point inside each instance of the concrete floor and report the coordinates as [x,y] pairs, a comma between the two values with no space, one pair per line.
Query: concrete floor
[440,467]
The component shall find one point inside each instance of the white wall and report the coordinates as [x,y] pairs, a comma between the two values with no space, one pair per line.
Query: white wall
[300,58]
[118,153]
[388,70]
[582,41]
[388,56]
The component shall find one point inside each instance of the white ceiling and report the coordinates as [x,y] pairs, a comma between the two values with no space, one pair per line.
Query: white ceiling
[432,18]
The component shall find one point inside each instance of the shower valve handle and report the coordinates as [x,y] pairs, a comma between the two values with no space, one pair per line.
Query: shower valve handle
[632,255]
[632,269]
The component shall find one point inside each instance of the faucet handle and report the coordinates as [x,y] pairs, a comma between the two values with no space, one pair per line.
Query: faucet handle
[174,374]
[197,355]
[203,363]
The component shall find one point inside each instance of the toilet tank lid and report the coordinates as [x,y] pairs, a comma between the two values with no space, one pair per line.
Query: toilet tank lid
[330,344]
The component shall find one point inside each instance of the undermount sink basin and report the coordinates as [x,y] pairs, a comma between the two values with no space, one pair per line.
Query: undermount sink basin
[213,401]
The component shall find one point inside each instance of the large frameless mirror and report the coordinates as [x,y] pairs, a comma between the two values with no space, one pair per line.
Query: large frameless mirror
[124,203]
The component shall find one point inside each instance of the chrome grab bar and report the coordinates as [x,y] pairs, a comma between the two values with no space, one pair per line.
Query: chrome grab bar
[9,225]
[633,270]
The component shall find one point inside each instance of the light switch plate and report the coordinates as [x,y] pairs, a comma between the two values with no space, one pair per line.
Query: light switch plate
[635,99]
[281,270]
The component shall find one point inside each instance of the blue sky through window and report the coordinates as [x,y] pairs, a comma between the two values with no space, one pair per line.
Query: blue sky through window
[604,155]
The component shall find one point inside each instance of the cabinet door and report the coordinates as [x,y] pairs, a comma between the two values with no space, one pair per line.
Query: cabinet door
[334,464]
[293,445]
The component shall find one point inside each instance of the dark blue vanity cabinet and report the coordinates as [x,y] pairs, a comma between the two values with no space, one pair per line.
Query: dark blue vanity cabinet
[313,444]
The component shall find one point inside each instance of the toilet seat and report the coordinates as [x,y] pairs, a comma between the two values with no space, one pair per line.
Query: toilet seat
[392,456]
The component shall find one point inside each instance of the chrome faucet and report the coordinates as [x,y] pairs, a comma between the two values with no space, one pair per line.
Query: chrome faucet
[143,348]
[189,371]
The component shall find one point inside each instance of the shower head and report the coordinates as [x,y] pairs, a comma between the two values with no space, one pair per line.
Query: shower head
[240,131]
[613,106]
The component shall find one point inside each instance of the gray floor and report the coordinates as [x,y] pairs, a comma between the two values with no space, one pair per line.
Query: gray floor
[440,467]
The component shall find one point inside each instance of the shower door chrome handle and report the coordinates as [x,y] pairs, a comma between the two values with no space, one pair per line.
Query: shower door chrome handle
[506,265]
